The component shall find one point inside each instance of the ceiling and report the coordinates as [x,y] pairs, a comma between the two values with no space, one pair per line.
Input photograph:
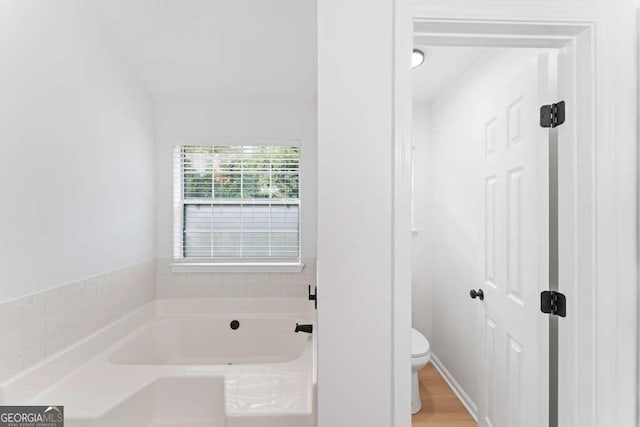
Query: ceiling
[233,51]
[443,65]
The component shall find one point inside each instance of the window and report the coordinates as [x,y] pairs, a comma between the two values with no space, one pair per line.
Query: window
[237,204]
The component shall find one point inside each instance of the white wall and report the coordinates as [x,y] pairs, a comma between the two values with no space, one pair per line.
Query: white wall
[76,150]
[449,139]
[220,124]
[422,211]
[355,158]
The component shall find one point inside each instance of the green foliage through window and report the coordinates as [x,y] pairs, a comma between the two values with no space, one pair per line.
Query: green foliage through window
[229,172]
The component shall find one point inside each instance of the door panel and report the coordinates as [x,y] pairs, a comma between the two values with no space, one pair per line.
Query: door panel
[491,375]
[514,381]
[514,250]
[514,234]
[490,231]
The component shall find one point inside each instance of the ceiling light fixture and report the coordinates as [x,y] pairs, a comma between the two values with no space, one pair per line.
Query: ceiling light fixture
[417,58]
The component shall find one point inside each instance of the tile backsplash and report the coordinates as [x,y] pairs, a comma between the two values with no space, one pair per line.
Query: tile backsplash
[234,285]
[38,325]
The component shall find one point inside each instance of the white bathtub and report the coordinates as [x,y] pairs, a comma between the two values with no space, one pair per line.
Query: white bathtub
[178,363]
[207,340]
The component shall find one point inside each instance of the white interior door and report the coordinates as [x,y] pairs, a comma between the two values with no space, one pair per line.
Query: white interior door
[514,378]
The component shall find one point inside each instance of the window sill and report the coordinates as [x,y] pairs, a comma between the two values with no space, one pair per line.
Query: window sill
[195,267]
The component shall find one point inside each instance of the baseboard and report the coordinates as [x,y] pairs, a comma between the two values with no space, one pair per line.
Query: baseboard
[471,407]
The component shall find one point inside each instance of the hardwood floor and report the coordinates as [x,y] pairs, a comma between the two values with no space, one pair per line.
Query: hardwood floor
[440,406]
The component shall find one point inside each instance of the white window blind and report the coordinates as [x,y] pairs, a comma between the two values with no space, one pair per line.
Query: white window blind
[236,204]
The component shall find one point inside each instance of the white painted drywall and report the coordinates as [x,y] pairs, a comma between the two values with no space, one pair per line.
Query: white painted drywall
[355,157]
[236,124]
[250,51]
[76,150]
[442,66]
[422,210]
[448,257]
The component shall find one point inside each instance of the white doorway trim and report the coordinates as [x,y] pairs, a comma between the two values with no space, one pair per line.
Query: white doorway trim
[598,387]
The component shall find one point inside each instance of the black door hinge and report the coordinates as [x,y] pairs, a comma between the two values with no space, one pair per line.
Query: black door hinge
[552,115]
[552,302]
[314,297]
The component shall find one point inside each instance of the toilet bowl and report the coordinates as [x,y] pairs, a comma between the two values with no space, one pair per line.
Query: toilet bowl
[420,356]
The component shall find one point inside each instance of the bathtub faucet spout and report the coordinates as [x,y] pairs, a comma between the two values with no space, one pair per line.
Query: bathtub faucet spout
[304,328]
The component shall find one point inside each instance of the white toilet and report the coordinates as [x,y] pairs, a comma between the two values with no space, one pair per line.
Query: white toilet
[420,356]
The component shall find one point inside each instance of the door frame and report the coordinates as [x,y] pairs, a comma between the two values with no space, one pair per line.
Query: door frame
[597,387]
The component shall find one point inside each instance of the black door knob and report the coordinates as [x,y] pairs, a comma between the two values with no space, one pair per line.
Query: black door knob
[477,294]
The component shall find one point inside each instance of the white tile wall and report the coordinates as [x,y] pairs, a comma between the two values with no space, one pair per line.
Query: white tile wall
[233,285]
[39,325]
